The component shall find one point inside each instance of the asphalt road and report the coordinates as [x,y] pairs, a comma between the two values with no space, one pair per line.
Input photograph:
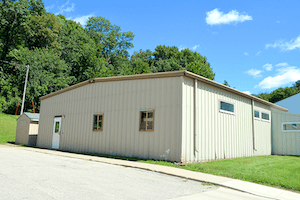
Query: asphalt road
[31,175]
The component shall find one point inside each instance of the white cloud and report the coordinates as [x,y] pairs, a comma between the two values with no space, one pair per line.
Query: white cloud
[50,7]
[65,8]
[215,17]
[286,46]
[181,47]
[258,53]
[282,64]
[247,92]
[246,54]
[82,19]
[285,75]
[195,47]
[268,67]
[254,72]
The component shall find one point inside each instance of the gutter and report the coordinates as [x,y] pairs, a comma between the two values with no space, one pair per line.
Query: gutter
[195,116]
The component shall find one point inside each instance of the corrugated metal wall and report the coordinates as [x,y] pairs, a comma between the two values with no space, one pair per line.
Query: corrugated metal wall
[219,135]
[262,131]
[22,132]
[121,102]
[285,143]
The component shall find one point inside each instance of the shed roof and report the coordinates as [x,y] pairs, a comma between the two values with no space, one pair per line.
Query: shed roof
[32,116]
[165,75]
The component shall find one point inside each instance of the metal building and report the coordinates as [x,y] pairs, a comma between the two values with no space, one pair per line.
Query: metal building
[285,133]
[27,129]
[175,116]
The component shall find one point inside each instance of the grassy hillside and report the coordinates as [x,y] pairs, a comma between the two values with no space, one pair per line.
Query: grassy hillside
[8,125]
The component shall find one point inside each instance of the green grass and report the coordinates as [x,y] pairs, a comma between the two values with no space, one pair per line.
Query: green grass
[276,171]
[8,125]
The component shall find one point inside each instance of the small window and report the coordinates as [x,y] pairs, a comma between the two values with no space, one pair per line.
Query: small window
[56,127]
[147,120]
[265,116]
[256,114]
[291,126]
[226,107]
[98,122]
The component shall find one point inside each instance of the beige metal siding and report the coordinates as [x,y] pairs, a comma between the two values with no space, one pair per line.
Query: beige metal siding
[262,131]
[120,102]
[22,130]
[219,135]
[285,143]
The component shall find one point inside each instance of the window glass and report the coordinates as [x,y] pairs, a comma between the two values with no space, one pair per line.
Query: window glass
[95,122]
[147,120]
[291,126]
[143,121]
[150,114]
[226,106]
[98,122]
[256,114]
[265,116]
[56,127]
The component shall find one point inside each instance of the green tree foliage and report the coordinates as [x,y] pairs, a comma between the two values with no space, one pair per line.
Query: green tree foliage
[113,42]
[62,52]
[46,64]
[166,58]
[280,93]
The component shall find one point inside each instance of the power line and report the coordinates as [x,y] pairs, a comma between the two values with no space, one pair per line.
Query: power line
[30,69]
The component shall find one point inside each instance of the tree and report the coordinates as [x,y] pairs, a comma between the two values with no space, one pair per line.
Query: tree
[226,83]
[113,42]
[166,58]
[46,64]
[14,15]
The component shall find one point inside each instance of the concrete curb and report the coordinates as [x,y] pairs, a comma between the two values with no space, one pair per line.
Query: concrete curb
[242,186]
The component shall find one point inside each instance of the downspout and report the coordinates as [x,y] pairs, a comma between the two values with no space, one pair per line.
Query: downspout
[253,128]
[195,117]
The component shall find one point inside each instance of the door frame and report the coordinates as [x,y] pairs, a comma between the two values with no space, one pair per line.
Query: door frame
[56,133]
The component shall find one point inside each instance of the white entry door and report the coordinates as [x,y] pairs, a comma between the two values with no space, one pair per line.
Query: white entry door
[56,132]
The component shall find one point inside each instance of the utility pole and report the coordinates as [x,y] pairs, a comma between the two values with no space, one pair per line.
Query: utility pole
[24,90]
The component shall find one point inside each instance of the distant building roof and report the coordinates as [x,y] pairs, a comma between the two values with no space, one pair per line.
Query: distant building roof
[291,103]
[33,116]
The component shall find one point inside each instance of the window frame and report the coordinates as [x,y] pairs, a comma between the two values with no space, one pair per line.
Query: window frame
[98,114]
[285,131]
[257,118]
[265,120]
[225,111]
[140,123]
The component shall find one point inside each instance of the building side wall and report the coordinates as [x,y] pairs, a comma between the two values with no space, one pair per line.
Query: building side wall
[219,135]
[120,102]
[262,131]
[285,143]
[22,130]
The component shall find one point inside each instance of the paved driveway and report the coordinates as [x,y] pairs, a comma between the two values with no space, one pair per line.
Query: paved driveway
[33,175]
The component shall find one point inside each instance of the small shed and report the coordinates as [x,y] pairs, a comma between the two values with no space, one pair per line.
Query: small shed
[27,129]
[285,133]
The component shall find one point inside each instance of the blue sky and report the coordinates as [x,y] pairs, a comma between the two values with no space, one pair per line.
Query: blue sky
[253,45]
